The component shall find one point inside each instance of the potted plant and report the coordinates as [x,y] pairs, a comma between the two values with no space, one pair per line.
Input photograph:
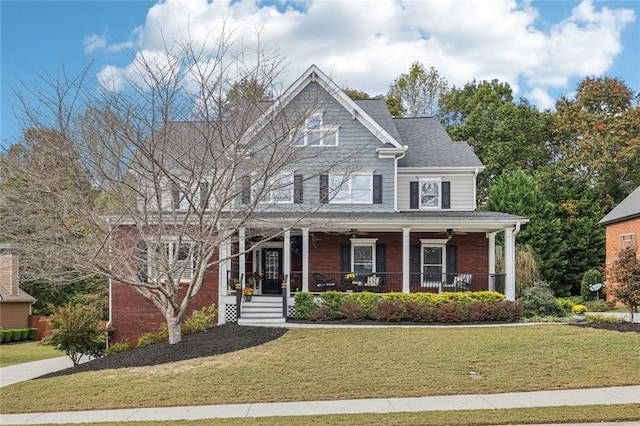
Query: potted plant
[247,292]
[232,284]
[579,313]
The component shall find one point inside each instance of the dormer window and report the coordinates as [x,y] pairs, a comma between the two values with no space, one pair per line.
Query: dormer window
[430,194]
[317,133]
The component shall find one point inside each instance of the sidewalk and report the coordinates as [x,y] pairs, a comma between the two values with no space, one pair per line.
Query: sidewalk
[613,395]
[31,370]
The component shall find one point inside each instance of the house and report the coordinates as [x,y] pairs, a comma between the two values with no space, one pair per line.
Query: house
[15,304]
[396,213]
[622,226]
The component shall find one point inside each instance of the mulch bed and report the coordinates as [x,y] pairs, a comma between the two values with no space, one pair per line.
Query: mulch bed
[223,339]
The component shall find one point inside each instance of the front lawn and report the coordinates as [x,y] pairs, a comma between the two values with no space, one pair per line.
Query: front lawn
[19,352]
[346,363]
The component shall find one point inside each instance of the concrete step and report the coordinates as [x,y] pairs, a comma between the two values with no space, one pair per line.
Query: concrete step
[261,321]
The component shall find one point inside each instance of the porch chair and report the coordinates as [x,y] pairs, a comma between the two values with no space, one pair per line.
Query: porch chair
[462,282]
[322,283]
[373,283]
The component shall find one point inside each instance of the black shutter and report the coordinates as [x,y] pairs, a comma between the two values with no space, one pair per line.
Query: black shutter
[414,264]
[377,189]
[204,194]
[413,195]
[345,258]
[142,255]
[381,258]
[446,195]
[175,195]
[324,189]
[246,189]
[452,262]
[297,189]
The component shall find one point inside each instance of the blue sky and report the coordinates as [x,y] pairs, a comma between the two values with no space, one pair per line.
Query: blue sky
[541,48]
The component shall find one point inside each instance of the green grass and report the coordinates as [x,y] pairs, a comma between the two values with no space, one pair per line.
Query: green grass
[331,364]
[584,414]
[17,353]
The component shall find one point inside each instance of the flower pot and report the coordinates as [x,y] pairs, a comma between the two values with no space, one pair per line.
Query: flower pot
[579,317]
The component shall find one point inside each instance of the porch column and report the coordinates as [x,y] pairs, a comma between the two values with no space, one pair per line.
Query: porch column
[492,261]
[241,260]
[286,261]
[223,252]
[305,259]
[509,265]
[405,260]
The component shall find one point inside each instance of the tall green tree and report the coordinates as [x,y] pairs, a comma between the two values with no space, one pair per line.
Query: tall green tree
[506,135]
[416,93]
[518,193]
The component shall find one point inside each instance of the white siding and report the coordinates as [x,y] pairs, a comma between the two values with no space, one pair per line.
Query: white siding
[462,185]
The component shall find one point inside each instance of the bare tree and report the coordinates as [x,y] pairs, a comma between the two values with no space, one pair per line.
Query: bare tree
[190,145]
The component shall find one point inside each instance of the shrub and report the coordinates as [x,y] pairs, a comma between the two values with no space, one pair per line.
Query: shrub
[16,335]
[508,310]
[304,303]
[419,311]
[477,312]
[334,299]
[449,313]
[7,336]
[154,337]
[350,311]
[367,300]
[1,336]
[24,333]
[33,334]
[388,310]
[592,276]
[320,313]
[604,319]
[117,347]
[201,320]
[76,331]
[565,305]
[599,306]
[539,300]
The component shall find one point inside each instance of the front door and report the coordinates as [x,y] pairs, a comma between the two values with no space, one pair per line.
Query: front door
[271,270]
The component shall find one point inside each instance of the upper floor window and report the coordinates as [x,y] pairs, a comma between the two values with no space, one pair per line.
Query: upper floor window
[317,133]
[280,189]
[196,197]
[355,189]
[628,241]
[430,194]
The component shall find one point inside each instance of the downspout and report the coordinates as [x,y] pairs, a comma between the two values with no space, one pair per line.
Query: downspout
[109,323]
[515,231]
[395,178]
[475,188]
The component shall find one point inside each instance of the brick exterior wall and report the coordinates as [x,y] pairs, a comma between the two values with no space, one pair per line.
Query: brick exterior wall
[613,232]
[132,315]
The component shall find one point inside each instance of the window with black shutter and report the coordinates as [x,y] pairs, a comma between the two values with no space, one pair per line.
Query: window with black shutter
[446,195]
[298,194]
[204,194]
[413,195]
[414,264]
[176,196]
[345,258]
[377,189]
[324,189]
[143,274]
[246,189]
[452,262]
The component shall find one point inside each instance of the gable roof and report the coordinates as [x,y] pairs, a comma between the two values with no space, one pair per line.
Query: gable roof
[314,75]
[627,209]
[430,145]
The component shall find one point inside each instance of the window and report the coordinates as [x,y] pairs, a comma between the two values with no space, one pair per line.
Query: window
[280,189]
[316,133]
[627,241]
[174,258]
[433,260]
[356,189]
[363,256]
[197,197]
[429,194]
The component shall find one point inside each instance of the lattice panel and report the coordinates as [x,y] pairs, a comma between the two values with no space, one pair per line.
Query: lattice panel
[291,311]
[230,313]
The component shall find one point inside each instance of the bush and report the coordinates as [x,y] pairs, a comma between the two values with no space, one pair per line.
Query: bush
[24,333]
[7,336]
[450,313]
[117,347]
[33,334]
[351,311]
[1,336]
[477,312]
[565,305]
[420,311]
[604,319]
[508,311]
[600,306]
[16,335]
[76,331]
[154,337]
[304,304]
[367,300]
[592,276]
[201,320]
[540,301]
[334,299]
[320,313]
[388,310]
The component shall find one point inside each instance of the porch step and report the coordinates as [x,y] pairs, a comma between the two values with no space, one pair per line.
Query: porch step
[262,311]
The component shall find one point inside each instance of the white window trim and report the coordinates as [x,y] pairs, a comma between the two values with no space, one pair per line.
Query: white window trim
[364,242]
[170,242]
[628,241]
[425,180]
[439,243]
[269,199]
[348,181]
[323,130]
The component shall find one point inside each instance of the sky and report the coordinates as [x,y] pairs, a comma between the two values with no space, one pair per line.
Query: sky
[543,49]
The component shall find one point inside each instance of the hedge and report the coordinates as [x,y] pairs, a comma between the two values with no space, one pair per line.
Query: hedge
[445,307]
[18,334]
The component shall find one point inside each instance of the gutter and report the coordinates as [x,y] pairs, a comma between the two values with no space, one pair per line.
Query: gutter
[515,231]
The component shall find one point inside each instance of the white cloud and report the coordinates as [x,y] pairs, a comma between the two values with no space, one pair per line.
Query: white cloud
[365,45]
[541,98]
[93,42]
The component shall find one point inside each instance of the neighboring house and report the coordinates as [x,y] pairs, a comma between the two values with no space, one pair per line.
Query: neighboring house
[622,226]
[15,304]
[404,220]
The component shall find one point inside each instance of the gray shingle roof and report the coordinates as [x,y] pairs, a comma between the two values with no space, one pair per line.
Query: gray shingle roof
[377,109]
[430,145]
[627,209]
[21,297]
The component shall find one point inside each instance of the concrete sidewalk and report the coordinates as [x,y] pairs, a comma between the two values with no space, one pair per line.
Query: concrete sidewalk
[612,395]
[31,370]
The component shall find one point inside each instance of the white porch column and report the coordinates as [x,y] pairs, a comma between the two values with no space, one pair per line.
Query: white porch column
[405,260]
[509,265]
[286,259]
[305,259]
[224,251]
[242,257]
[492,260]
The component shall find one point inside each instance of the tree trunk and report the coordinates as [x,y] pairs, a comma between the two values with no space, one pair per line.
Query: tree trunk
[175,332]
